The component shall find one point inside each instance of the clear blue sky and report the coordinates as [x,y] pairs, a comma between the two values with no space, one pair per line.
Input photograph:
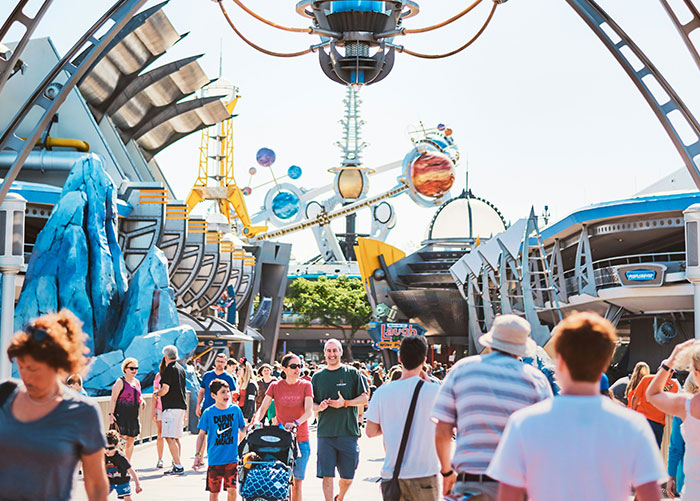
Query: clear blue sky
[538,106]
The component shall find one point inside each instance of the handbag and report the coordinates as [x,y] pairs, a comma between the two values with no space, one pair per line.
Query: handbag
[268,480]
[391,491]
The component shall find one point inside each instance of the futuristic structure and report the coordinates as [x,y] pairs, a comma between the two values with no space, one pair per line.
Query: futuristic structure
[108,105]
[357,36]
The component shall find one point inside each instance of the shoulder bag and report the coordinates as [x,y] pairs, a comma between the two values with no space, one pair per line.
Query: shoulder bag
[391,491]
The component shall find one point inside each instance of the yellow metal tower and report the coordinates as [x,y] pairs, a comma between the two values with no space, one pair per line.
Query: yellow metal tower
[225,192]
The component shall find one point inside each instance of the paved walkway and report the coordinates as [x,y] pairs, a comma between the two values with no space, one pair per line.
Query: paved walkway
[190,486]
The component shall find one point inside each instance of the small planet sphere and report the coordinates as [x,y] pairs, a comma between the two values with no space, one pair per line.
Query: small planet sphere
[441,127]
[294,172]
[252,171]
[265,157]
[247,190]
[285,205]
[432,174]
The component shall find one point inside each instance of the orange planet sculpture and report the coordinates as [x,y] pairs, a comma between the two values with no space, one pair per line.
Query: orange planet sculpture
[432,174]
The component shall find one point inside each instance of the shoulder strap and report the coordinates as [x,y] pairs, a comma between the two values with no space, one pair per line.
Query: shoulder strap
[407,429]
[6,390]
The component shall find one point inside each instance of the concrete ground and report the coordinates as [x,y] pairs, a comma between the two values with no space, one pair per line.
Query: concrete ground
[190,486]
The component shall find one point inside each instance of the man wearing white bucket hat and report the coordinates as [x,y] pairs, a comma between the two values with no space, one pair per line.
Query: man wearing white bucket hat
[477,398]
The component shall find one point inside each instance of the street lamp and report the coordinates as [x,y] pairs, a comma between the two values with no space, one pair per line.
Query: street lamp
[11,262]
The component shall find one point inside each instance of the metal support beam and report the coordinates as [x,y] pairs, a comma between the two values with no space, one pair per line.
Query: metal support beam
[685,29]
[657,92]
[585,277]
[50,95]
[17,16]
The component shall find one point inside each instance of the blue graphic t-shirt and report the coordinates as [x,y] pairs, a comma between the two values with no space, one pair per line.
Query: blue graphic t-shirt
[222,427]
[210,376]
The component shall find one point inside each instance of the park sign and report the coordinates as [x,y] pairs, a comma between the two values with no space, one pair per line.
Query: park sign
[389,335]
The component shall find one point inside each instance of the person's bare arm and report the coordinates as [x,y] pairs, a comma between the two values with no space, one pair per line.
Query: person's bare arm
[510,493]
[116,389]
[262,410]
[670,403]
[341,402]
[200,397]
[648,492]
[308,409]
[96,483]
[373,429]
[443,447]
[199,449]
[137,483]
[164,389]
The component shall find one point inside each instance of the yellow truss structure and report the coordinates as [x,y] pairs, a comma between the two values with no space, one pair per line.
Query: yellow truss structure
[225,192]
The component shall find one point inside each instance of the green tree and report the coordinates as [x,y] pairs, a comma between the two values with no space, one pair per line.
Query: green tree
[334,302]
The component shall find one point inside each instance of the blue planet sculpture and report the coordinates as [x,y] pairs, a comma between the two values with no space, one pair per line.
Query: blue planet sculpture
[294,172]
[285,205]
[265,157]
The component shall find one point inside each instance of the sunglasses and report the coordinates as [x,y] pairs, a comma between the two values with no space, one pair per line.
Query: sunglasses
[295,366]
[36,333]
[111,447]
[132,368]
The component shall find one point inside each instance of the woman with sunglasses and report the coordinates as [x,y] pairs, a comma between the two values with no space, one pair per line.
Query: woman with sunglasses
[293,399]
[46,428]
[125,403]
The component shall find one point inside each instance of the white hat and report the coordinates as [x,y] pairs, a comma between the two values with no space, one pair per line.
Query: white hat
[511,334]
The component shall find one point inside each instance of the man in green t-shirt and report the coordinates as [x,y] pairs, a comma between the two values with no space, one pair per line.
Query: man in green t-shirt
[338,391]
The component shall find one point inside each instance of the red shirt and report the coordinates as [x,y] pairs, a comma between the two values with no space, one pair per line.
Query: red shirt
[289,403]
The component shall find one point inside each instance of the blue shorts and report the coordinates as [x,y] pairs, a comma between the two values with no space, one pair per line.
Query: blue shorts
[123,490]
[337,452]
[301,462]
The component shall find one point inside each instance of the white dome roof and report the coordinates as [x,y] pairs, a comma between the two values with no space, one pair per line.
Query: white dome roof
[464,218]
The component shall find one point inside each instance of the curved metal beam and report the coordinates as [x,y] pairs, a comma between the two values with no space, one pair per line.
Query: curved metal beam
[49,101]
[685,29]
[657,92]
[17,16]
[144,81]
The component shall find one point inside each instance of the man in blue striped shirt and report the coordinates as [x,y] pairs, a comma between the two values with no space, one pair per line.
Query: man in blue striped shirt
[477,398]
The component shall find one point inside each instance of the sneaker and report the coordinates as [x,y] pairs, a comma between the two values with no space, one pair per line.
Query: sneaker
[159,464]
[176,471]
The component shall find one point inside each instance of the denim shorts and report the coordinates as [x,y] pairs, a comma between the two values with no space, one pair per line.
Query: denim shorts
[123,490]
[337,452]
[301,462]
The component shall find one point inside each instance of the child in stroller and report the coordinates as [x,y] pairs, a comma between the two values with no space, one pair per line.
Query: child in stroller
[265,472]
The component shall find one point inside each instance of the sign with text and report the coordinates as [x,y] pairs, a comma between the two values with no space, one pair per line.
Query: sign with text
[389,335]
[641,275]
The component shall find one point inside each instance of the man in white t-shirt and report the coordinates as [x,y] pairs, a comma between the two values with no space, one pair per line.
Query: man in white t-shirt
[579,445]
[387,415]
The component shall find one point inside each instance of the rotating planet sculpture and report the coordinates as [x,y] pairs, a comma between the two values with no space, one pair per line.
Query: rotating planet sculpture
[265,157]
[294,172]
[286,205]
[432,174]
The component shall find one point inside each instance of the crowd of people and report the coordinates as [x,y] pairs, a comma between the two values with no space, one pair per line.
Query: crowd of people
[486,428]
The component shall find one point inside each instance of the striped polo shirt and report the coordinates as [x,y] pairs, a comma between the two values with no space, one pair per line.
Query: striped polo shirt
[478,396]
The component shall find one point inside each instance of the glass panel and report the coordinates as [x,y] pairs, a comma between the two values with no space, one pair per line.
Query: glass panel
[691,242]
[18,233]
[3,218]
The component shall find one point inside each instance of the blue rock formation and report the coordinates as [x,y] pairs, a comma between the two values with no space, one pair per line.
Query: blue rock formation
[58,269]
[150,302]
[107,283]
[76,262]
[105,369]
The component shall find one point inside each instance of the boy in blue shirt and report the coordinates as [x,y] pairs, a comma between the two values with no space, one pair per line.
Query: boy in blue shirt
[220,428]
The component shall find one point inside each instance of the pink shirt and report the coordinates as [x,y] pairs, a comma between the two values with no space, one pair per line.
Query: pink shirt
[289,403]
[156,387]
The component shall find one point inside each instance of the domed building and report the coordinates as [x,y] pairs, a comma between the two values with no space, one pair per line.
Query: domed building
[419,287]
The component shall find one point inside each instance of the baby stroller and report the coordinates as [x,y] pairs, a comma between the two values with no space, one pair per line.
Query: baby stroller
[267,462]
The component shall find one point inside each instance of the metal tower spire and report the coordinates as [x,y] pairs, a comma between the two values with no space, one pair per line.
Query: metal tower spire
[352,144]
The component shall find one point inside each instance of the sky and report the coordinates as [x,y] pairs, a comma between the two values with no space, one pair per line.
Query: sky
[541,111]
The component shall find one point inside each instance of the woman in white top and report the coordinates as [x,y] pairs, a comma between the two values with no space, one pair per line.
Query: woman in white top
[685,356]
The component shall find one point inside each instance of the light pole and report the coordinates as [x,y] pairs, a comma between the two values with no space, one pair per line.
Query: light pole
[692,258]
[11,262]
